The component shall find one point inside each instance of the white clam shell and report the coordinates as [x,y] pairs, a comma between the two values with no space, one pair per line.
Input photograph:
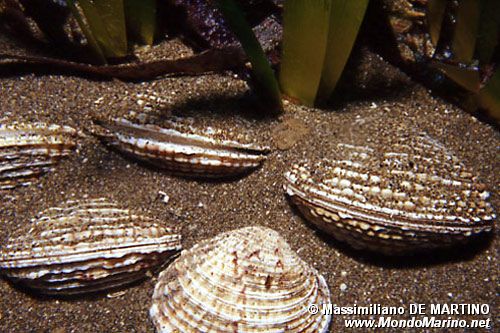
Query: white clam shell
[409,194]
[182,149]
[30,150]
[246,280]
[86,246]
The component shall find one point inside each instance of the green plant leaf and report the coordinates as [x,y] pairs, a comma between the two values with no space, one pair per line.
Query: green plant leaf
[267,86]
[106,20]
[92,42]
[346,17]
[489,96]
[466,28]
[305,36]
[435,14]
[141,20]
[489,31]
[465,77]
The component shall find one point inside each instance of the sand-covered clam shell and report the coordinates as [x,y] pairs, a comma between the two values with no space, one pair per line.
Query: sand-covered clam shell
[245,280]
[410,194]
[182,148]
[30,150]
[86,246]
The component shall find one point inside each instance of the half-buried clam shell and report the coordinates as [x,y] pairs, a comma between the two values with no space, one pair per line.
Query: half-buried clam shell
[246,280]
[183,149]
[407,195]
[30,150]
[86,246]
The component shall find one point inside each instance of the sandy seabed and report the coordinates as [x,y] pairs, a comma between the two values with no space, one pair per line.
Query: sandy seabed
[201,209]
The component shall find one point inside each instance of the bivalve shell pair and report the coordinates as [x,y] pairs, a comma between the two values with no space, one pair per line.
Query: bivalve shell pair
[408,195]
[86,246]
[246,280]
[30,150]
[183,149]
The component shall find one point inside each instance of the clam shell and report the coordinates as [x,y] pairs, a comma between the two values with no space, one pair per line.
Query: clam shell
[30,150]
[246,280]
[86,246]
[183,149]
[412,194]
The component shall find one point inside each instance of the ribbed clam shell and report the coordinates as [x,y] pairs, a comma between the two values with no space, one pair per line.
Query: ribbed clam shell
[183,149]
[86,246]
[411,194]
[246,280]
[30,150]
